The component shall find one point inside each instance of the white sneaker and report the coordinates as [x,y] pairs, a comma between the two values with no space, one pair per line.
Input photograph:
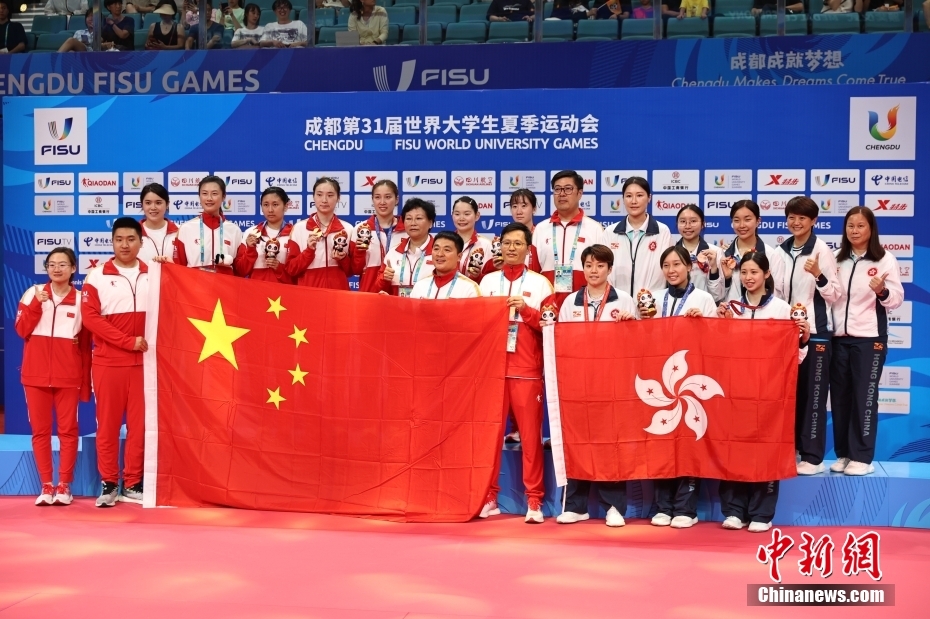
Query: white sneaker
[797,457]
[47,496]
[859,468]
[571,517]
[661,520]
[759,527]
[733,523]
[840,465]
[614,519]
[63,494]
[806,468]
[490,509]
[683,522]
[534,513]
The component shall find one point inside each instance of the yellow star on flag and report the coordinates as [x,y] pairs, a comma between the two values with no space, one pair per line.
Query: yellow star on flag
[298,375]
[275,397]
[299,337]
[276,307]
[219,336]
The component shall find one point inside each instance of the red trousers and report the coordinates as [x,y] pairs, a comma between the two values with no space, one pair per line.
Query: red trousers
[40,401]
[118,390]
[524,397]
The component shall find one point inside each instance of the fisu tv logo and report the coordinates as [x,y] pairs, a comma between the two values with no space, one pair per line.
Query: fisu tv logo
[446,77]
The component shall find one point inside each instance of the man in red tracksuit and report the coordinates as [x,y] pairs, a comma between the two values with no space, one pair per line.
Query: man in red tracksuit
[114,312]
[523,393]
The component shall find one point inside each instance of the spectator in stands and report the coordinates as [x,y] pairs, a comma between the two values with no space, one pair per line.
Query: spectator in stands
[191,14]
[166,34]
[232,16]
[612,9]
[82,39]
[927,13]
[141,6]
[643,11]
[837,6]
[65,7]
[767,6]
[670,8]
[569,10]
[118,29]
[370,21]
[249,36]
[510,10]
[214,32]
[336,4]
[693,8]
[879,6]
[14,35]
[284,32]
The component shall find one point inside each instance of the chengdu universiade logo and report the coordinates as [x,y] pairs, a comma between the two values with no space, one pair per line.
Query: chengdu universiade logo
[884,136]
[699,386]
[66,129]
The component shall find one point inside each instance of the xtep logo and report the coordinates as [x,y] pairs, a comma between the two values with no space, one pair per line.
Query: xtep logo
[53,129]
[776,179]
[700,386]
[407,70]
[884,136]
[370,181]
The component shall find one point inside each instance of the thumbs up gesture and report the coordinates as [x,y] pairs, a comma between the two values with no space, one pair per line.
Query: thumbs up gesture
[388,274]
[877,284]
[812,265]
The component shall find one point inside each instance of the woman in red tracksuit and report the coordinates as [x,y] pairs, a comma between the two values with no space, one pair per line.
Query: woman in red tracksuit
[320,248]
[257,257]
[55,371]
[377,236]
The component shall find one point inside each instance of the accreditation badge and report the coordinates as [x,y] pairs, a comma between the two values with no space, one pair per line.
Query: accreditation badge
[404,291]
[563,278]
[512,337]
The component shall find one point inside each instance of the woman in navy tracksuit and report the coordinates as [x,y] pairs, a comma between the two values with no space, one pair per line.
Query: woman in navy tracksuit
[870,286]
[754,502]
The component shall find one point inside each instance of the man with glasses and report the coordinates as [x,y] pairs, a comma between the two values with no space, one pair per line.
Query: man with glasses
[560,239]
[523,392]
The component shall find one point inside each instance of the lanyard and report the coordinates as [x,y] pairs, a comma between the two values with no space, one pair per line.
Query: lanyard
[510,291]
[203,249]
[416,270]
[739,306]
[388,233]
[555,247]
[448,293]
[680,306]
[600,308]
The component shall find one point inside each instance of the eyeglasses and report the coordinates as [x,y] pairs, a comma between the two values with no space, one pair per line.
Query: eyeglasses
[563,190]
[514,244]
[54,266]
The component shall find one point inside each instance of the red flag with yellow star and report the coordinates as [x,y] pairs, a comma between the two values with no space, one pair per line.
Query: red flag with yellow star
[271,396]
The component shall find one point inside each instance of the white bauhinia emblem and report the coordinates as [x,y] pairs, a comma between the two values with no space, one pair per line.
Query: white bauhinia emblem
[699,386]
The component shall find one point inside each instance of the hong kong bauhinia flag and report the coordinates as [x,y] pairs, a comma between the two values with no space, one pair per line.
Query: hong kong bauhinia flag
[270,396]
[656,399]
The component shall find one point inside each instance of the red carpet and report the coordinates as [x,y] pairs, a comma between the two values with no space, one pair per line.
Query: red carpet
[86,562]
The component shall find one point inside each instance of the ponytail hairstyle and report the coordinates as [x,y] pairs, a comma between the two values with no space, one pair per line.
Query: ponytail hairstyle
[875,251]
[385,182]
[467,200]
[277,191]
[681,252]
[762,261]
[323,179]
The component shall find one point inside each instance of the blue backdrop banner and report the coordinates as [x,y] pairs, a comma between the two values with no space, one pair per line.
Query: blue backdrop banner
[72,165]
[761,61]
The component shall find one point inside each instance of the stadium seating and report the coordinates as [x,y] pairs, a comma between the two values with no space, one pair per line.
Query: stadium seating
[508,32]
[732,7]
[597,30]
[457,3]
[270,17]
[794,24]
[442,14]
[884,22]
[411,35]
[636,29]
[139,37]
[688,28]
[48,24]
[326,17]
[473,12]
[401,15]
[732,26]
[558,30]
[470,32]
[835,23]
[51,41]
[327,36]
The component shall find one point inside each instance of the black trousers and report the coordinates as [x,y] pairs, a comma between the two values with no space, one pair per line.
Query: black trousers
[677,497]
[854,374]
[749,501]
[810,421]
[610,494]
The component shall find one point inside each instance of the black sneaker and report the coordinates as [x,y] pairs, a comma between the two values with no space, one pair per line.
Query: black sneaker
[132,494]
[108,494]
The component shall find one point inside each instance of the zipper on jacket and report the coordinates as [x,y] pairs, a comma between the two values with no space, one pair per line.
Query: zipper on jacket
[51,339]
[128,281]
[848,297]
[633,260]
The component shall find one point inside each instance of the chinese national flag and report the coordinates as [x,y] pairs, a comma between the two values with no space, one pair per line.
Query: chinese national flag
[676,397]
[270,396]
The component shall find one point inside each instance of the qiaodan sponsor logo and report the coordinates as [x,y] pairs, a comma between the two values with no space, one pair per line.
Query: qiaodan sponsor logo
[98,182]
[669,205]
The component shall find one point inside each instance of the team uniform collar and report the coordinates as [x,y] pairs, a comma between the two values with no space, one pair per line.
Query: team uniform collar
[442,280]
[334,226]
[374,225]
[513,272]
[212,221]
[806,250]
[611,295]
[702,245]
[731,250]
[172,227]
[70,298]
[426,247]
[676,292]
[286,229]
[555,219]
[110,268]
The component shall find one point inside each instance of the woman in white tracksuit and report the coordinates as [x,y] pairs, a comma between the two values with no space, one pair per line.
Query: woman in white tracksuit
[637,241]
[677,498]
[754,502]
[871,285]
[705,260]
[745,218]
[810,287]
